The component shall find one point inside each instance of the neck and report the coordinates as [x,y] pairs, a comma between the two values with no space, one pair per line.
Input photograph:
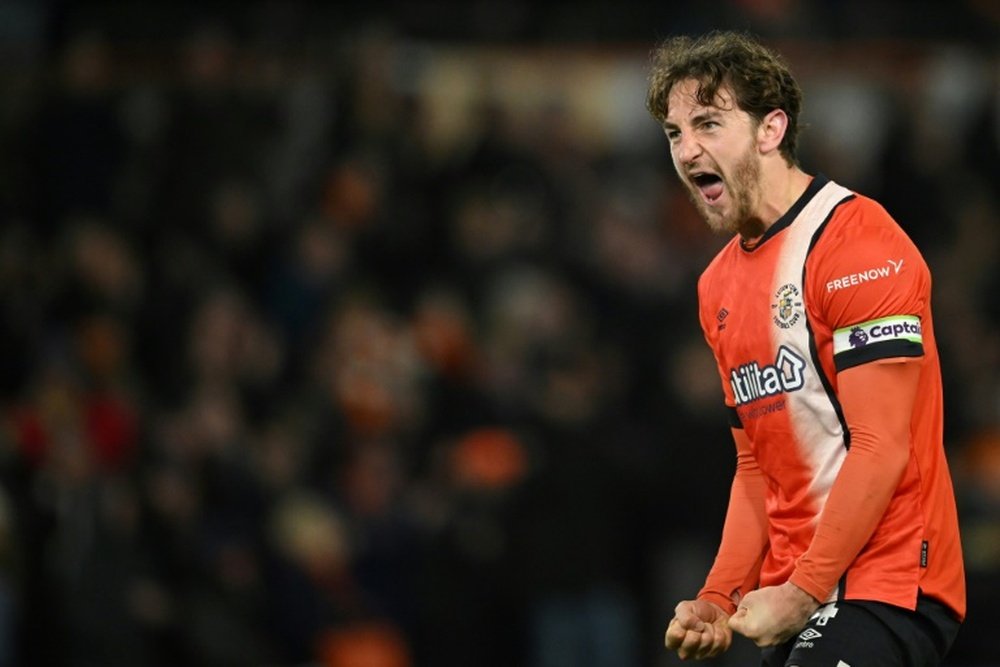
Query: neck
[780,187]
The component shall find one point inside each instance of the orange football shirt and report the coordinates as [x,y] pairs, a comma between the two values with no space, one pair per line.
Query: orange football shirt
[833,284]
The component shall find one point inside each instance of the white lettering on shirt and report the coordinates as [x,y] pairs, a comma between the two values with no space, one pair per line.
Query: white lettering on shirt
[869,275]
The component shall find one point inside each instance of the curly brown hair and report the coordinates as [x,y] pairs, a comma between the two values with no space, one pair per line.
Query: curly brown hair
[758,77]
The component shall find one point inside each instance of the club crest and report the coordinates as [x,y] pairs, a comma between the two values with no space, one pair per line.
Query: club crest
[787,307]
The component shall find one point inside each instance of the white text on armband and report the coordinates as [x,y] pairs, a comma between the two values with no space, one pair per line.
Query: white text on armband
[896,327]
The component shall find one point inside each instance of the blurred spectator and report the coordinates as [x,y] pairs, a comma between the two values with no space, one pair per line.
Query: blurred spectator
[77,140]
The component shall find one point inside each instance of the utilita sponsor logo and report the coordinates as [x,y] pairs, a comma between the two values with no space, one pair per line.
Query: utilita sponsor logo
[752,381]
[878,273]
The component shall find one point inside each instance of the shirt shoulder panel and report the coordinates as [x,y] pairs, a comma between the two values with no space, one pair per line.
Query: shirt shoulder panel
[868,283]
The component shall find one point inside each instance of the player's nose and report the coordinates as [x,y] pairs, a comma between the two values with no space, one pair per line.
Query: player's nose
[686,148]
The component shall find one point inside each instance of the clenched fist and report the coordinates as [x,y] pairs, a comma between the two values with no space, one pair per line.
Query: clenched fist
[773,614]
[699,629]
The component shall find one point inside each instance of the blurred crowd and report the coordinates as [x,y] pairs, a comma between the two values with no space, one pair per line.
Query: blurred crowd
[284,383]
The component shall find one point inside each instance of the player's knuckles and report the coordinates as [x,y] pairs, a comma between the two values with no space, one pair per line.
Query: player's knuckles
[706,641]
[689,621]
[684,609]
[724,638]
[692,643]
[715,643]
[711,649]
[679,644]
[692,639]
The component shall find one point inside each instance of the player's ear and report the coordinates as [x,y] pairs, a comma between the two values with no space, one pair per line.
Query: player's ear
[771,130]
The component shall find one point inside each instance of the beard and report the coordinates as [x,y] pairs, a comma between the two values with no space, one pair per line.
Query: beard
[743,189]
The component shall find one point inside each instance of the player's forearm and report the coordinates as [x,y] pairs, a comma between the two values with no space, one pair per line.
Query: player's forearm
[877,400]
[852,512]
[744,536]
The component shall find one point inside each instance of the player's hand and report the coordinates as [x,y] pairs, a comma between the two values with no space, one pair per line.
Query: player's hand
[699,630]
[771,615]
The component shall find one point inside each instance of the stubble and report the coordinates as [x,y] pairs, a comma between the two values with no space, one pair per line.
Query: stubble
[744,192]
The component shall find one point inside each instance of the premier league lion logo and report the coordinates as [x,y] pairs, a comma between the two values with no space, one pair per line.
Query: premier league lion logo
[858,338]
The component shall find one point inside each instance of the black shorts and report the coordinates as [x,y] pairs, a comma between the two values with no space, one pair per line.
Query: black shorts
[856,633]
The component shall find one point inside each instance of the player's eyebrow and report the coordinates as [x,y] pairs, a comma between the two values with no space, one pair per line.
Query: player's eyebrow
[707,114]
[700,117]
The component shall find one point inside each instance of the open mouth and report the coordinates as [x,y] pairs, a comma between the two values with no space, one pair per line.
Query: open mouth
[709,184]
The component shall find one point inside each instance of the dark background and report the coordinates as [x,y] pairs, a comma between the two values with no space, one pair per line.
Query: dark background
[366,336]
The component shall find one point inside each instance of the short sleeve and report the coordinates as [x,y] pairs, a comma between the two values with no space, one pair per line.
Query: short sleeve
[869,285]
